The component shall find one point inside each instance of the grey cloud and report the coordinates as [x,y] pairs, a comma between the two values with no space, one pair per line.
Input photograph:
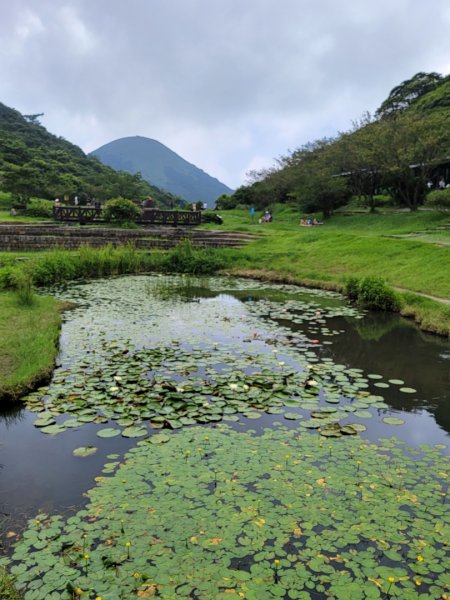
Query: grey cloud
[225,81]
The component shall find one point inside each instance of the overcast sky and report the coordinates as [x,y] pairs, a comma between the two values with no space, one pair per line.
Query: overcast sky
[228,84]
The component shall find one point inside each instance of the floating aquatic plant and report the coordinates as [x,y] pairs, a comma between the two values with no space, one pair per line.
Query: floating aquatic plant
[270,516]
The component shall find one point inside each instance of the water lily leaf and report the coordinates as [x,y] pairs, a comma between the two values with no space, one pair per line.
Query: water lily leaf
[348,430]
[292,416]
[159,438]
[44,421]
[393,421]
[358,427]
[408,390]
[84,451]
[52,429]
[134,432]
[108,432]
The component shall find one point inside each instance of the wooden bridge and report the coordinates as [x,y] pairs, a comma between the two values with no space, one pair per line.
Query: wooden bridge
[149,216]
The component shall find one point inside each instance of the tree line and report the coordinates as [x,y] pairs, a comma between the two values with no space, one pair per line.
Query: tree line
[399,151]
[35,163]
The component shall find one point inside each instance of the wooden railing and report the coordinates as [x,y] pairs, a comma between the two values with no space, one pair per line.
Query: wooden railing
[79,214]
[149,216]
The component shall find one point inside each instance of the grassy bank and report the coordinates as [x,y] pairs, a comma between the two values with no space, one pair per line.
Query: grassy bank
[409,250]
[28,342]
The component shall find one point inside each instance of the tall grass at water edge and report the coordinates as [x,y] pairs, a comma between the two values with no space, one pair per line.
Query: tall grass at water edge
[87,262]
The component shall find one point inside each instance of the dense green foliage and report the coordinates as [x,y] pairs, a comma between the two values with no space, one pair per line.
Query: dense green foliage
[162,167]
[439,199]
[396,153]
[372,293]
[33,162]
[39,208]
[121,210]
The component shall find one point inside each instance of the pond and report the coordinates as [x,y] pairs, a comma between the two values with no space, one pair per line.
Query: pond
[178,398]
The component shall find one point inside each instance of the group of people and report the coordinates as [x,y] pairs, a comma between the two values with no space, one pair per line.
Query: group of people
[309,222]
[266,218]
[90,203]
[441,184]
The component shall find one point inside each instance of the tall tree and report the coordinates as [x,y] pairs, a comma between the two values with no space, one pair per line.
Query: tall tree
[408,92]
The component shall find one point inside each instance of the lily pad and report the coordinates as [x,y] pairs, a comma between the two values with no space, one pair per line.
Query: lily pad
[393,421]
[159,438]
[108,432]
[408,390]
[292,416]
[52,429]
[134,432]
[84,451]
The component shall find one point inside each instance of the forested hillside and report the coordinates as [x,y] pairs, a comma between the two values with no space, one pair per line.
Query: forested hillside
[401,153]
[35,163]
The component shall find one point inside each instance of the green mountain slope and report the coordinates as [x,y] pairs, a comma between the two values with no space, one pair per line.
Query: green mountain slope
[162,167]
[34,162]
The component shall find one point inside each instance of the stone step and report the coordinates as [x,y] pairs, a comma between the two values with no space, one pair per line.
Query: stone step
[41,242]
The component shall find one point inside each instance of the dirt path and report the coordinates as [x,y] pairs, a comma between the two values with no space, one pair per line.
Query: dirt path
[435,298]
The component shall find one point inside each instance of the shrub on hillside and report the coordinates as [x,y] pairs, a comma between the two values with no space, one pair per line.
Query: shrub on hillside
[121,211]
[39,208]
[211,217]
[372,293]
[439,199]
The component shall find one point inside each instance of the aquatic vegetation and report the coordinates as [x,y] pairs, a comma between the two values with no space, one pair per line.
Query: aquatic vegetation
[215,513]
[217,361]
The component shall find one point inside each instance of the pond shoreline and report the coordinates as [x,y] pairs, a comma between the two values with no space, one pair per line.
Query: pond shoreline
[408,309]
[42,375]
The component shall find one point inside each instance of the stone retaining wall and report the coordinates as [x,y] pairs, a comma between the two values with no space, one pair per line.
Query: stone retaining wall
[15,237]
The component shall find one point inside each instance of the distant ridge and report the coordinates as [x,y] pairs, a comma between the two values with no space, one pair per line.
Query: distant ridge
[162,167]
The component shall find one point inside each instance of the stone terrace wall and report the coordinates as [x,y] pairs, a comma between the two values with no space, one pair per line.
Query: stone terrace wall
[22,237]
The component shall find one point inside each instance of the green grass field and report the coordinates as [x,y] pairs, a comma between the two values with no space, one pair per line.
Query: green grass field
[369,244]
[28,342]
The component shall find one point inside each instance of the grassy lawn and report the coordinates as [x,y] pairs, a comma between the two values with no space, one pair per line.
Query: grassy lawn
[350,245]
[28,341]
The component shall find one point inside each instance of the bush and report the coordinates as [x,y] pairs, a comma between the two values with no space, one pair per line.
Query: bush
[185,259]
[121,211]
[39,208]
[210,217]
[439,199]
[352,288]
[372,293]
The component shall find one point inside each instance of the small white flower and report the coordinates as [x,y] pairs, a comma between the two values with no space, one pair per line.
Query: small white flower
[117,378]
[113,389]
[233,386]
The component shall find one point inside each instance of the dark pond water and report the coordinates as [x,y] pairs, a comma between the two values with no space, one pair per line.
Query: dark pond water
[231,328]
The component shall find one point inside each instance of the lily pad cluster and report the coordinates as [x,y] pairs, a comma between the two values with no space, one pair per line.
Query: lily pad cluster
[200,363]
[174,386]
[223,514]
